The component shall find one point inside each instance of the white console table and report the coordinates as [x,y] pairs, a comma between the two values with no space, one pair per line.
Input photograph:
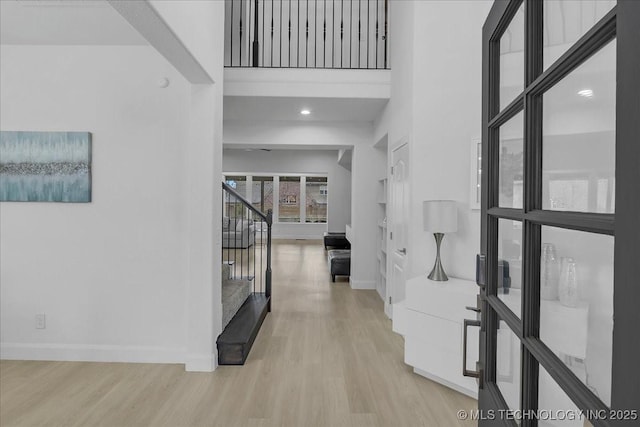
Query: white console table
[431,320]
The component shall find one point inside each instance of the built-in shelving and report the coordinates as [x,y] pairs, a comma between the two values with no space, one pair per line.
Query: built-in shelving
[381,197]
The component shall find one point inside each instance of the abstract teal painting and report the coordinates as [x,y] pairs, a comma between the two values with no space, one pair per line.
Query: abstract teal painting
[45,167]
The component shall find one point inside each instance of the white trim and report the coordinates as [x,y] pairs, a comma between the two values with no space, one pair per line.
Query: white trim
[249,191]
[201,362]
[392,288]
[474,182]
[362,284]
[275,210]
[314,175]
[91,353]
[144,17]
[303,199]
[296,230]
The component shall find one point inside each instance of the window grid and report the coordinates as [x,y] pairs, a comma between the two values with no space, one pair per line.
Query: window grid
[532,215]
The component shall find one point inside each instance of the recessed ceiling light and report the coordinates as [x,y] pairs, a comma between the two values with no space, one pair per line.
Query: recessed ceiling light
[305,112]
[587,93]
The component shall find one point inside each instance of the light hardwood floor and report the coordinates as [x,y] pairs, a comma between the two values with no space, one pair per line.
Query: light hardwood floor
[326,356]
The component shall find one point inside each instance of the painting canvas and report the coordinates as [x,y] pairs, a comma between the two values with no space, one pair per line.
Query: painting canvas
[45,167]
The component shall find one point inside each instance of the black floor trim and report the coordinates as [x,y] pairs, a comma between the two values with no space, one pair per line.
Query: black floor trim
[237,338]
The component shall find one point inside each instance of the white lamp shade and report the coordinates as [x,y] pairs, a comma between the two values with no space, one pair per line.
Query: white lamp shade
[440,216]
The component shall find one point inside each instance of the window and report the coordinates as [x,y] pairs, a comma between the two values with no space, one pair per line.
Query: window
[289,206]
[238,183]
[262,193]
[300,199]
[232,205]
[316,199]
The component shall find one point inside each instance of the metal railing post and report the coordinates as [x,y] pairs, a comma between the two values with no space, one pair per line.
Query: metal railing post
[268,272]
[256,43]
[312,29]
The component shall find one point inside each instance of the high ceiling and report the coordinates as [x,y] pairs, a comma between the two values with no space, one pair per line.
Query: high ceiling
[288,109]
[64,22]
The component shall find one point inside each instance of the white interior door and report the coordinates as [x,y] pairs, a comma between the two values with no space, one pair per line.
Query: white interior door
[398,226]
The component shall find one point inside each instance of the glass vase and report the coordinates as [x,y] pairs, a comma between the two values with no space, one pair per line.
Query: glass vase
[549,272]
[568,289]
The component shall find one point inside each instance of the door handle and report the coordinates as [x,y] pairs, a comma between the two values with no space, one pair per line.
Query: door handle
[465,371]
[403,251]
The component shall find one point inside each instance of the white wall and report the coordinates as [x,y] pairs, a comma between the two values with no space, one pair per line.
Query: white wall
[200,27]
[307,82]
[447,108]
[111,275]
[300,162]
[436,104]
[294,134]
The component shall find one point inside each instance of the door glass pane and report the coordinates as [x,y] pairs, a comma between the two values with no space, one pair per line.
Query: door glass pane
[511,162]
[576,306]
[289,204]
[316,199]
[565,21]
[510,264]
[555,407]
[508,365]
[262,193]
[512,59]
[579,132]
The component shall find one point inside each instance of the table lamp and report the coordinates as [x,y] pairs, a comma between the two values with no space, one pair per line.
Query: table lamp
[440,217]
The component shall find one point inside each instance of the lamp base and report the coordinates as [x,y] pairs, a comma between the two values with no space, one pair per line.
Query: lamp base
[438,274]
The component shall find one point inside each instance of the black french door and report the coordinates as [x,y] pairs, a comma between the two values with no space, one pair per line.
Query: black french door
[560,344]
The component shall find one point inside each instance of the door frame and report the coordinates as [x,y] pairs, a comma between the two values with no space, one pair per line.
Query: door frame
[620,23]
[391,286]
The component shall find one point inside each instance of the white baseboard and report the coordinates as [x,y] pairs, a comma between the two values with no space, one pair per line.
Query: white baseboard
[201,362]
[296,237]
[91,353]
[400,321]
[362,284]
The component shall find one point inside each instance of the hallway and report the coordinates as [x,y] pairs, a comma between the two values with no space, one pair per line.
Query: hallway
[326,356]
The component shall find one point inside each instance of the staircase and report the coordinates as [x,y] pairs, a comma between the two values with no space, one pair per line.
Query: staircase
[246,276]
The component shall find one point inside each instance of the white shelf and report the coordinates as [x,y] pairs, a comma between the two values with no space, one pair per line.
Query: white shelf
[381,253]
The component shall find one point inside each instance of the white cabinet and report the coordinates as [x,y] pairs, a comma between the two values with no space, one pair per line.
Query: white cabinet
[431,320]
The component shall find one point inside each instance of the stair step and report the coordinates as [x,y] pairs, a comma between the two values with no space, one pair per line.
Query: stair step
[235,342]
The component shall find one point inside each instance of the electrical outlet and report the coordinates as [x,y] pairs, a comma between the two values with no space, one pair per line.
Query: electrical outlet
[41,321]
